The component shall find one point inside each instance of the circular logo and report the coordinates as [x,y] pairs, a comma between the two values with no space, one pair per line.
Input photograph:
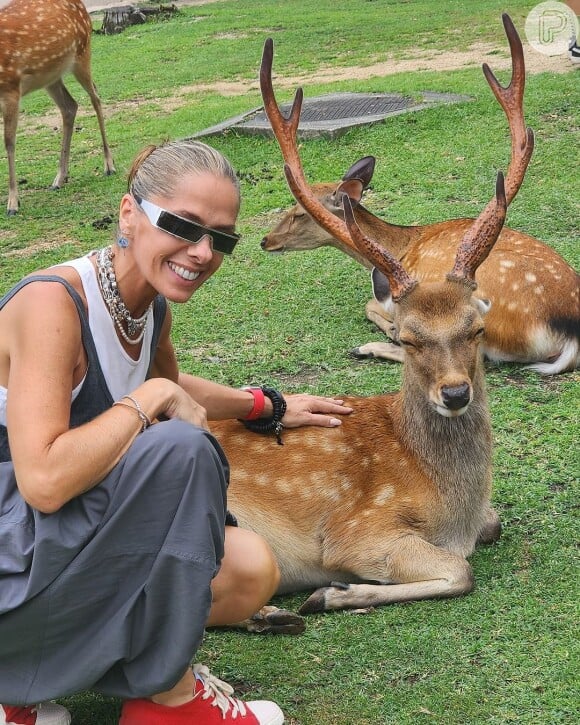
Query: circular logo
[550,27]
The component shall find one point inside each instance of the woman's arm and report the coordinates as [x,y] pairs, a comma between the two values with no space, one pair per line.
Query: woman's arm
[52,462]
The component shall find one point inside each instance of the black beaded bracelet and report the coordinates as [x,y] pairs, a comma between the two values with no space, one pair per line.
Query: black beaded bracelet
[274,423]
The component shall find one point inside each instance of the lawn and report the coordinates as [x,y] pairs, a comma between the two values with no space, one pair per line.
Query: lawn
[507,652]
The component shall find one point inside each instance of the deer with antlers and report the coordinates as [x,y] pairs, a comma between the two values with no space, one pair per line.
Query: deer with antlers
[392,502]
[40,41]
[535,295]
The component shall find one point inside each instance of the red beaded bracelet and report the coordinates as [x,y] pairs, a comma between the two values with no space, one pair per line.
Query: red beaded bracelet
[259,403]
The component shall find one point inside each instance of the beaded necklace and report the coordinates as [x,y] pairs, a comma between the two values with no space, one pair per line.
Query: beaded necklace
[117,309]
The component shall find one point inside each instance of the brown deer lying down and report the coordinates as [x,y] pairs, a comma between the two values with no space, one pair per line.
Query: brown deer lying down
[392,502]
[40,41]
[535,313]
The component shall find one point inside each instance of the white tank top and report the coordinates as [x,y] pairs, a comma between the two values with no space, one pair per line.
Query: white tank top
[122,373]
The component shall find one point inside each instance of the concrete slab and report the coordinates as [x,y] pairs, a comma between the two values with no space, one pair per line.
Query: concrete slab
[333,114]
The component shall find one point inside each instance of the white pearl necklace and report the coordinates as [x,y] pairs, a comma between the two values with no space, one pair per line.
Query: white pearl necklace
[117,308]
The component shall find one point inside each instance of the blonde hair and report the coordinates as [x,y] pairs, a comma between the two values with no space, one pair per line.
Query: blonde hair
[158,169]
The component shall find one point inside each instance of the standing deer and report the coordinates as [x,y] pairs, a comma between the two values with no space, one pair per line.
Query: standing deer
[392,502]
[40,41]
[535,294]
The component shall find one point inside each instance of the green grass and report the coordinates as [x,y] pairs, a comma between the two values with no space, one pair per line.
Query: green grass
[507,652]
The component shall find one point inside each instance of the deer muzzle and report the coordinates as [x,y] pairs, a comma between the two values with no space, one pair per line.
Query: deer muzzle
[454,399]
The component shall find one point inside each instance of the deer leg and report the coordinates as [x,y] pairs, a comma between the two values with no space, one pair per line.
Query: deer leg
[68,108]
[418,570]
[82,73]
[383,350]
[375,312]
[490,532]
[10,108]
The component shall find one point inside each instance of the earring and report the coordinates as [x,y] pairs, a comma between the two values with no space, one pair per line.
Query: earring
[123,242]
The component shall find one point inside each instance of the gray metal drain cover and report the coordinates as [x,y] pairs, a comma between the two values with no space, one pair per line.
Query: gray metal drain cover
[334,114]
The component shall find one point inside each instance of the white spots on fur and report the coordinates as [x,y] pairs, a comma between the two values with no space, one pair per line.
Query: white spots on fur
[262,479]
[539,289]
[318,479]
[530,277]
[507,263]
[326,445]
[287,487]
[384,495]
[345,484]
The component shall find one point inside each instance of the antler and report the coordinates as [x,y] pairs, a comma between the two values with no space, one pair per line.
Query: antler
[479,239]
[478,242]
[285,130]
[400,281]
[511,99]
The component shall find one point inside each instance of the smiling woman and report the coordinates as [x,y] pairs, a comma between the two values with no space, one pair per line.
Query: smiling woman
[113,521]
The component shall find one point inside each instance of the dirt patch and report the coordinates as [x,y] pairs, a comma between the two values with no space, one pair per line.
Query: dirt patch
[96,6]
[425,60]
[46,246]
[422,60]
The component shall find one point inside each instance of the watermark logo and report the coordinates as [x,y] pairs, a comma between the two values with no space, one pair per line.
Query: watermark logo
[550,27]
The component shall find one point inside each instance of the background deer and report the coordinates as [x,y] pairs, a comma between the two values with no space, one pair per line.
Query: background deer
[40,41]
[535,294]
[392,502]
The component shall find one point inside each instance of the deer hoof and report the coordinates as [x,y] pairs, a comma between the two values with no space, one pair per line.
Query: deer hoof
[271,620]
[359,354]
[491,529]
[11,212]
[316,602]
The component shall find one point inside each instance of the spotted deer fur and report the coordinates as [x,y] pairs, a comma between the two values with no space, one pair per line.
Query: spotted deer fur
[41,41]
[388,506]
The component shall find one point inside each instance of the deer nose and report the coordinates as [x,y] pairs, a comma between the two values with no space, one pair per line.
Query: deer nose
[455,396]
[264,242]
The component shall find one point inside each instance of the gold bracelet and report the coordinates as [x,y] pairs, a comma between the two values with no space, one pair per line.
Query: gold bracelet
[143,417]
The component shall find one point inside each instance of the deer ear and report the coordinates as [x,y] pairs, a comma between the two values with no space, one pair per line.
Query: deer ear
[381,288]
[353,188]
[483,305]
[363,170]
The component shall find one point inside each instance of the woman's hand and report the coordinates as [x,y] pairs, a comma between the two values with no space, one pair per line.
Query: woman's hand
[305,409]
[182,406]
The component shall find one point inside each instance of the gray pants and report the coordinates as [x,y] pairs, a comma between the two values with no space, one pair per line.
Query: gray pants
[112,592]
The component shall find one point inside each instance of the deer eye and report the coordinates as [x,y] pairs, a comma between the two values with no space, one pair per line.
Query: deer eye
[478,334]
[409,344]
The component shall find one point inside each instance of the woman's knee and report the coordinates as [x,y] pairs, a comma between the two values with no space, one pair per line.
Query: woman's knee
[177,436]
[248,578]
[178,449]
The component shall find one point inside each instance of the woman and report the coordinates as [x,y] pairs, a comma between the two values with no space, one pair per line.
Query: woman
[114,548]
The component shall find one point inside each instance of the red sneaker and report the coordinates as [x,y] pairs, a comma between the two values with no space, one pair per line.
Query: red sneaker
[47,713]
[212,704]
